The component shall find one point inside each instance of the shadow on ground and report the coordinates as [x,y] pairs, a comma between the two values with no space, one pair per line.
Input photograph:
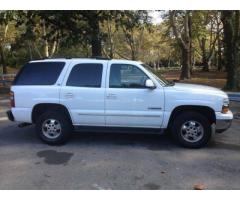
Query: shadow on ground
[12,135]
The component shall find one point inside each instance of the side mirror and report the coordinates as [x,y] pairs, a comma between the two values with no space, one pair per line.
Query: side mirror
[149,84]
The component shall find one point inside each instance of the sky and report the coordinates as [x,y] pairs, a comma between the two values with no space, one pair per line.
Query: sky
[156,17]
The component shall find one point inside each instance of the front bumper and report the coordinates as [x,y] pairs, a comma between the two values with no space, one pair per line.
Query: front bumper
[223,121]
[222,125]
[10,115]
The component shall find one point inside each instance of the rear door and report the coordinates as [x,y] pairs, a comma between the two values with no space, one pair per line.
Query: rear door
[83,92]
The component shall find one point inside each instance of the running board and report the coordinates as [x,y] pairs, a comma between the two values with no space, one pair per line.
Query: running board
[118,129]
[24,125]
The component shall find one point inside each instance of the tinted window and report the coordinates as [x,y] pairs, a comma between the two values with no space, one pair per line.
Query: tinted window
[86,75]
[126,76]
[39,73]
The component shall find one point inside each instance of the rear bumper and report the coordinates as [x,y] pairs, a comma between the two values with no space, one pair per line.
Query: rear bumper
[10,115]
[223,121]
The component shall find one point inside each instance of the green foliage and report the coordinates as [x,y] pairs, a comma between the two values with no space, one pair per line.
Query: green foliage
[115,34]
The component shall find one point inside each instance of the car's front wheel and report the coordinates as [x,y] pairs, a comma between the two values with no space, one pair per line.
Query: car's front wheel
[53,128]
[191,129]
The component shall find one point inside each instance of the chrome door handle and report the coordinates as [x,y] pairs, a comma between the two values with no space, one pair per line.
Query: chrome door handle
[69,95]
[111,96]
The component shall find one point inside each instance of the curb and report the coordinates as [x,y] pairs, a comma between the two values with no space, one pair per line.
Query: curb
[234,96]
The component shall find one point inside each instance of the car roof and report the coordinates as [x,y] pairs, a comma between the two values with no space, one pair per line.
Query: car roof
[87,60]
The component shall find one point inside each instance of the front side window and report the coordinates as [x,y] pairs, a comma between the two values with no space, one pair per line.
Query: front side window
[126,76]
[86,75]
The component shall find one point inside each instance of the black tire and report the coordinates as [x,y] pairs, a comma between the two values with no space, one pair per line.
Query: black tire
[185,117]
[65,125]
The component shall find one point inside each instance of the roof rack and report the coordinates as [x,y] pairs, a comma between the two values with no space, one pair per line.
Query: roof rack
[100,58]
[46,58]
[93,57]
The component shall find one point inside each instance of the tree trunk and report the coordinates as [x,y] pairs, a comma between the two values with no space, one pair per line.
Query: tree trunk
[227,19]
[205,61]
[192,61]
[110,39]
[169,62]
[54,47]
[37,50]
[186,64]
[184,41]
[205,64]
[219,56]
[231,24]
[3,60]
[30,50]
[96,38]
[133,54]
[191,45]
[219,49]
[46,48]
[236,44]
[186,49]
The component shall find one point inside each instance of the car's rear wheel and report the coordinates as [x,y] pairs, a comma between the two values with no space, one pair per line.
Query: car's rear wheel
[53,128]
[191,129]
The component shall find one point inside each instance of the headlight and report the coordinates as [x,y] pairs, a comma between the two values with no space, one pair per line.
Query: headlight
[225,107]
[226,102]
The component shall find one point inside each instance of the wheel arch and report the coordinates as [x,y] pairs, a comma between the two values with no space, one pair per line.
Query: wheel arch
[204,110]
[40,108]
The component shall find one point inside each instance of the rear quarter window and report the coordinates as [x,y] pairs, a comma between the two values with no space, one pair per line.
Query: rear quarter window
[39,73]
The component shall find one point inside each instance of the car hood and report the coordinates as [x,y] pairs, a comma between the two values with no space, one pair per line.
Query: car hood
[200,89]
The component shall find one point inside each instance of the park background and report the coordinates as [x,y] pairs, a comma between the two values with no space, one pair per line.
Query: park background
[193,46]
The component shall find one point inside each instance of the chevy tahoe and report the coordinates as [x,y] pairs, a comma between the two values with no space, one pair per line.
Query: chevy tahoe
[62,95]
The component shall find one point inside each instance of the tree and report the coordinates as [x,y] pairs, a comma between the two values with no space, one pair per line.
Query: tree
[133,24]
[5,18]
[41,35]
[207,30]
[182,33]
[230,20]
[53,29]
[219,40]
[94,18]
[110,36]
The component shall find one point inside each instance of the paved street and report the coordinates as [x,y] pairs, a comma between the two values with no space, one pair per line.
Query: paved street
[115,161]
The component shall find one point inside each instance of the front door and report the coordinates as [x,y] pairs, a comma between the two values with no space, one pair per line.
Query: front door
[128,102]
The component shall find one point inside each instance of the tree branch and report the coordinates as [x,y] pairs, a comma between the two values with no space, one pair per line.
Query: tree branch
[174,27]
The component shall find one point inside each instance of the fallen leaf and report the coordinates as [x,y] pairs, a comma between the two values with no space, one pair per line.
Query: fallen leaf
[199,186]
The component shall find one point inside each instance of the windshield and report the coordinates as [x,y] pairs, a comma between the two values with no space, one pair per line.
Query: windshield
[158,77]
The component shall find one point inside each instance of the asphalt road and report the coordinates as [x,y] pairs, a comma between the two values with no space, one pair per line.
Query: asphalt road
[116,161]
[234,96]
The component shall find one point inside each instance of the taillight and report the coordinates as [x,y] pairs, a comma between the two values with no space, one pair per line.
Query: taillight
[12,100]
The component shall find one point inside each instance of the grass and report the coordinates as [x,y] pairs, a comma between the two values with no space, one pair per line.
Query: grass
[212,78]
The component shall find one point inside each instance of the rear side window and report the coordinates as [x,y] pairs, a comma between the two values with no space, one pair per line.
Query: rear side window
[39,73]
[86,75]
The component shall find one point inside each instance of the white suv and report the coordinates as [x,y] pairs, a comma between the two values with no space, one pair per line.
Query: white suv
[59,95]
